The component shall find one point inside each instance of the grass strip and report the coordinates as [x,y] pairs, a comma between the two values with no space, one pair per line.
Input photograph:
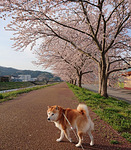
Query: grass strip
[10,95]
[14,85]
[115,112]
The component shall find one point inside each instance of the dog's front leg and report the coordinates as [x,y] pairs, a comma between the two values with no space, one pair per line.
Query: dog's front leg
[61,136]
[67,135]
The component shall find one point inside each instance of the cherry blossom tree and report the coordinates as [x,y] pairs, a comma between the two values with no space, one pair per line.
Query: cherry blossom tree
[57,55]
[103,25]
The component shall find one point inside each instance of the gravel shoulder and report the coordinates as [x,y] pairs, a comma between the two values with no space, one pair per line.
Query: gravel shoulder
[24,125]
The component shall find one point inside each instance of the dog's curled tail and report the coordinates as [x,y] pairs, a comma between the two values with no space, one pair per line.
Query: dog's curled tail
[83,108]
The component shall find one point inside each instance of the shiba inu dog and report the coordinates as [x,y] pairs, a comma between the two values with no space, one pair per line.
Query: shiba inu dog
[65,119]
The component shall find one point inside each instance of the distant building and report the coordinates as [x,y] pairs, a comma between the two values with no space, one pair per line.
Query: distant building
[42,78]
[25,78]
[15,79]
[5,78]
[127,81]
[33,79]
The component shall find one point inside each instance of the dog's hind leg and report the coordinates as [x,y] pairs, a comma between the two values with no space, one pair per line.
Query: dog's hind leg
[91,137]
[80,135]
[61,136]
[67,135]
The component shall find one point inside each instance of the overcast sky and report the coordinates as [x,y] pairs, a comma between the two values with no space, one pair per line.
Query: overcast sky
[11,58]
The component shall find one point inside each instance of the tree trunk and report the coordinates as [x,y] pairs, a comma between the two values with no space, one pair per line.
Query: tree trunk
[71,81]
[79,81]
[75,81]
[102,73]
[103,89]
[79,78]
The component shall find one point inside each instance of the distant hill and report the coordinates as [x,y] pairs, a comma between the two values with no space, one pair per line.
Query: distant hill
[34,74]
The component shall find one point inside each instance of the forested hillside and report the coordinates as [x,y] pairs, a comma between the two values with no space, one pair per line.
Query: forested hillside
[34,74]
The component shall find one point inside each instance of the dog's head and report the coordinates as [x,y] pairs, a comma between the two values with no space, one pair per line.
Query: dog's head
[53,113]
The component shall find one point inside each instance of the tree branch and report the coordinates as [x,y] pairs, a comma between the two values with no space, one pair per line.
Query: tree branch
[87,18]
[114,10]
[104,35]
[120,59]
[118,31]
[85,1]
[90,26]
[121,42]
[87,72]
[98,25]
[73,44]
[50,19]
[119,69]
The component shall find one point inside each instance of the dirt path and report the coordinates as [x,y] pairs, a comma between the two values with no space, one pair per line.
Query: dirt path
[24,126]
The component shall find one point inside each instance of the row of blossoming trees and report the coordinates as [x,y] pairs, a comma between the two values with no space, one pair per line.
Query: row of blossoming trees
[74,37]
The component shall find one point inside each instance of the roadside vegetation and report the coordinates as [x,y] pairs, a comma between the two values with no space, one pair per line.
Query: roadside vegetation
[115,112]
[10,95]
[14,85]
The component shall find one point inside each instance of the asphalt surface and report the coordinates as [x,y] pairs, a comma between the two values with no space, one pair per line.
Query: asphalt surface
[121,94]
[24,125]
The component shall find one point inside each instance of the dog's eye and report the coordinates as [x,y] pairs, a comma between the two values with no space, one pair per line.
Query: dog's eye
[52,114]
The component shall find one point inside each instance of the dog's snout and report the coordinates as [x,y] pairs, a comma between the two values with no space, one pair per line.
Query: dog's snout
[48,118]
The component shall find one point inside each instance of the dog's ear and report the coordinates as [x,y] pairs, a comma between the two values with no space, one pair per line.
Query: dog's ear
[48,107]
[57,108]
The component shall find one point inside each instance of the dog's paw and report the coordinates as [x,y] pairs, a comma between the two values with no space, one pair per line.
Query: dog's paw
[70,140]
[91,143]
[78,145]
[58,140]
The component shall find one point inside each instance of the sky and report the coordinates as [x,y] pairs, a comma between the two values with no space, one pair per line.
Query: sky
[15,59]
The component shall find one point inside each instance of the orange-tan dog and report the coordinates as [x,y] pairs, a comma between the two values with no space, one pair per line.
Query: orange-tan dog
[65,119]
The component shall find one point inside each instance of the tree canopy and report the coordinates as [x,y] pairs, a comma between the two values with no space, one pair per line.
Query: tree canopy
[96,28]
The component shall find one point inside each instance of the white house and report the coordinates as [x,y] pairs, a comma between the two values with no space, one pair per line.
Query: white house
[25,77]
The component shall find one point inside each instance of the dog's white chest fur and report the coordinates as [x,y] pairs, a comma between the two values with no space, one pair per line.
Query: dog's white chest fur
[58,125]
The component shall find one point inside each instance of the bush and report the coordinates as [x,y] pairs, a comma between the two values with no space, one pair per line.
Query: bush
[114,142]
[1,96]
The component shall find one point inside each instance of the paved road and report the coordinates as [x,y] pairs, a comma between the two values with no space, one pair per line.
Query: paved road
[121,94]
[24,125]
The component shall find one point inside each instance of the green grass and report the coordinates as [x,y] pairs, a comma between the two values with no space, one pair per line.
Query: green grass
[114,142]
[115,112]
[10,95]
[121,85]
[14,85]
